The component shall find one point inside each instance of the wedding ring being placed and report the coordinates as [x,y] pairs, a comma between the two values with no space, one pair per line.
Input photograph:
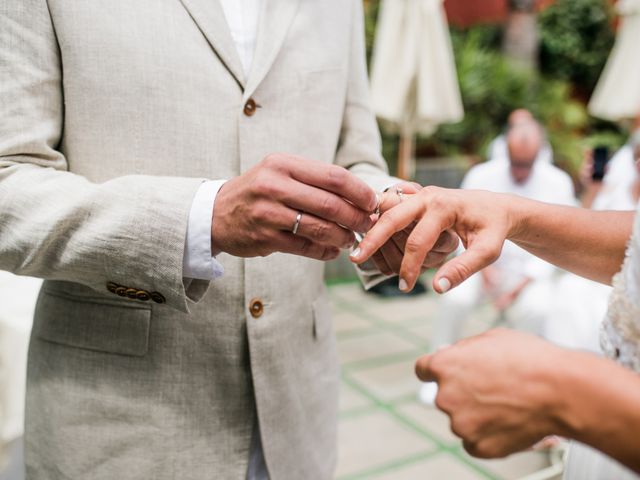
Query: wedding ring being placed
[297,224]
[400,194]
[378,202]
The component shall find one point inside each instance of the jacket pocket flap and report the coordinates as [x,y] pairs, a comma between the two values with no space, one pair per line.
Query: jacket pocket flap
[102,327]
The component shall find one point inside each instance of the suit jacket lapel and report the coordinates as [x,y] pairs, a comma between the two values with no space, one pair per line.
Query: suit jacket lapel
[275,19]
[210,19]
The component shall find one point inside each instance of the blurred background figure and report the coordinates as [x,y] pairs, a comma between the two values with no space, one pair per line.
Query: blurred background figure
[17,302]
[578,304]
[615,190]
[498,150]
[518,284]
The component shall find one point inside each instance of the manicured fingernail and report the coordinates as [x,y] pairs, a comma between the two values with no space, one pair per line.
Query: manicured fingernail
[402,285]
[355,253]
[444,284]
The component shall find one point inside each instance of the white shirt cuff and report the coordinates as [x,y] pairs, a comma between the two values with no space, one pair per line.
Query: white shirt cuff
[198,262]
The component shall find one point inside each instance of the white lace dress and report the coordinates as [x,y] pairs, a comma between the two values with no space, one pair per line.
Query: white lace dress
[620,339]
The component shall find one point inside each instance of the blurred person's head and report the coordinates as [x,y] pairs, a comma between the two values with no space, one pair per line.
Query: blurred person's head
[518,116]
[524,141]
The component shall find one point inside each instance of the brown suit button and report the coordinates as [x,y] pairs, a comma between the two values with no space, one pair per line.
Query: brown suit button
[250,107]
[157,297]
[143,295]
[131,293]
[256,308]
[112,287]
[121,291]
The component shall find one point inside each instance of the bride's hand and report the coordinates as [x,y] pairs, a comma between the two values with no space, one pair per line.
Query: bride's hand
[388,257]
[482,220]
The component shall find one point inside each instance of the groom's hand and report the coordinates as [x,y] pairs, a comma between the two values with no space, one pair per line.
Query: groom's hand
[256,213]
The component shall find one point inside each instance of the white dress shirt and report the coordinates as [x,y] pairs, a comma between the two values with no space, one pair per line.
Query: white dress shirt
[198,263]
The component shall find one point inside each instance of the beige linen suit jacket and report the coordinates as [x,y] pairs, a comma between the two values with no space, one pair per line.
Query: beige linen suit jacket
[111,115]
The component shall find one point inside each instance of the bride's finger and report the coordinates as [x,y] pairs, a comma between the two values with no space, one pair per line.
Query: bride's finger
[390,222]
[424,236]
[483,252]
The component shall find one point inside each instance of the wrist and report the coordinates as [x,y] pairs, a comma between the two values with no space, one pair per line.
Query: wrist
[517,215]
[567,406]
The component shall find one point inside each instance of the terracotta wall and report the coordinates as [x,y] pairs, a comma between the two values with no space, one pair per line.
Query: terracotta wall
[463,13]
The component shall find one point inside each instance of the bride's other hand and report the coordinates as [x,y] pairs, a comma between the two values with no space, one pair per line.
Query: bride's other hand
[501,390]
[482,220]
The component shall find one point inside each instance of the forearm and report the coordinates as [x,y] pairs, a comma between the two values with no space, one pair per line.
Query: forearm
[601,406]
[129,230]
[590,244]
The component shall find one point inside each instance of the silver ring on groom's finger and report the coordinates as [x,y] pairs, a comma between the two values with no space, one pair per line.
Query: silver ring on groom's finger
[297,224]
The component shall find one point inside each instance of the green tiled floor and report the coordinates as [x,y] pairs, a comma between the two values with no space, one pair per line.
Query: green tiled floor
[384,432]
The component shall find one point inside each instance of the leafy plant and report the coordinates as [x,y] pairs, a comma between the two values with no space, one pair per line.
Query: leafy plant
[492,86]
[576,37]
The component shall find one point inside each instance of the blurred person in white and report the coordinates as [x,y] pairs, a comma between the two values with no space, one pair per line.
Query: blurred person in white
[518,284]
[17,303]
[498,149]
[579,304]
[615,191]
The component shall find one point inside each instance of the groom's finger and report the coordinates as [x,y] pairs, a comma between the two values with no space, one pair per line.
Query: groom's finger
[335,179]
[481,253]
[447,243]
[380,261]
[392,255]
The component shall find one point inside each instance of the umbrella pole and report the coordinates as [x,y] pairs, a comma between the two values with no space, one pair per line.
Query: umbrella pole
[405,156]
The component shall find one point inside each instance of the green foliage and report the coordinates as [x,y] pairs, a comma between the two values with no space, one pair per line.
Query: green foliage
[492,86]
[371,11]
[576,37]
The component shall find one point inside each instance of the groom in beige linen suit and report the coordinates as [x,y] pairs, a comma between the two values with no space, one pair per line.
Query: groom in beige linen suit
[113,114]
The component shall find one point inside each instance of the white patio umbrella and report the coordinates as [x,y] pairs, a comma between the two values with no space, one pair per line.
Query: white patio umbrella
[617,95]
[413,76]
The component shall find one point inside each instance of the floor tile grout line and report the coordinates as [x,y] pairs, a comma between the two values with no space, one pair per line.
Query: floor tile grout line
[375,325]
[400,331]
[362,332]
[381,361]
[443,447]
[383,325]
[357,412]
